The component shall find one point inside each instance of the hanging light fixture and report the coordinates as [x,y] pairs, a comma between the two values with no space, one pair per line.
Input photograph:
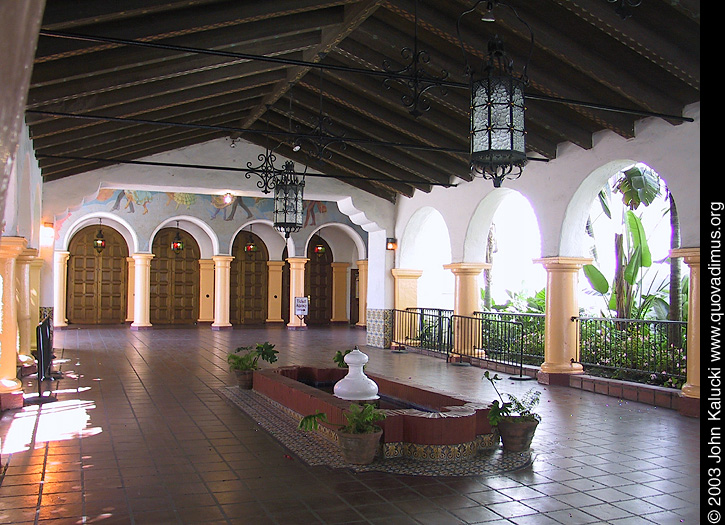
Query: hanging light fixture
[288,191]
[177,245]
[319,250]
[250,248]
[99,243]
[497,132]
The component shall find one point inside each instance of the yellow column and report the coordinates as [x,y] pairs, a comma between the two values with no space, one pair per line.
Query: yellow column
[206,291]
[406,288]
[466,299]
[362,274]
[142,291]
[22,283]
[296,289]
[691,389]
[561,341]
[36,266]
[60,280]
[130,288]
[339,292]
[222,273]
[274,291]
[10,249]
[466,296]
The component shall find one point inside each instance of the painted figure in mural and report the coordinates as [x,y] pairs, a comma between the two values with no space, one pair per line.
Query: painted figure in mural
[141,198]
[310,212]
[219,205]
[187,199]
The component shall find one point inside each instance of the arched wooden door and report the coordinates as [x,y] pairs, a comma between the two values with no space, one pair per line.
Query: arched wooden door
[248,281]
[174,285]
[318,281]
[96,292]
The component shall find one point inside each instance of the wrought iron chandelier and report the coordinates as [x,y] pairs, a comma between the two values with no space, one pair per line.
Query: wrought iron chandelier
[497,131]
[288,193]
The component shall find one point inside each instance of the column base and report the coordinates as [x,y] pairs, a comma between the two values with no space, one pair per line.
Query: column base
[141,327]
[688,406]
[221,327]
[11,400]
[555,378]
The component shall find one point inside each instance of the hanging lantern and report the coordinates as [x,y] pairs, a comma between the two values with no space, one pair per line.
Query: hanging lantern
[288,192]
[177,245]
[498,147]
[250,247]
[99,243]
[319,250]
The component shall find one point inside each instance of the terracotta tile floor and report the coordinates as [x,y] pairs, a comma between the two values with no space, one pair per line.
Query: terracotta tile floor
[140,435]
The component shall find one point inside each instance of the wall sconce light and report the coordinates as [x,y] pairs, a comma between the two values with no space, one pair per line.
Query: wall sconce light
[177,245]
[391,243]
[228,198]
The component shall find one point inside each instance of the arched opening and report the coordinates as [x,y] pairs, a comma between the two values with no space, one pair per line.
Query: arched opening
[174,282]
[426,246]
[318,280]
[248,280]
[96,291]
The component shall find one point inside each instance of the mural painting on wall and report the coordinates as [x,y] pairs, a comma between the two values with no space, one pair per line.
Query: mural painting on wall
[132,201]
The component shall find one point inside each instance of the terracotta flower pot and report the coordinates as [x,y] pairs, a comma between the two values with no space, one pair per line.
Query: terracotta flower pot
[359,449]
[517,433]
[244,378]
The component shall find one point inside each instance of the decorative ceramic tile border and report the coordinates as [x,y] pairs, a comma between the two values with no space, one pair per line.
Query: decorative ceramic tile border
[314,449]
[379,328]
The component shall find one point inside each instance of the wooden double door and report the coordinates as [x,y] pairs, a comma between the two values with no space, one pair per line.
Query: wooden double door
[174,280]
[318,283]
[97,282]
[248,281]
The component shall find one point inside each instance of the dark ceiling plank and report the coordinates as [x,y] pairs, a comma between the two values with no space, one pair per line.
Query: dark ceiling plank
[429,165]
[137,99]
[133,56]
[352,158]
[354,16]
[386,187]
[650,42]
[67,14]
[118,133]
[107,82]
[68,130]
[193,23]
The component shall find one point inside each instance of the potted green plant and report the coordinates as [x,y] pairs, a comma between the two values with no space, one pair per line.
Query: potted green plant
[245,360]
[359,438]
[515,419]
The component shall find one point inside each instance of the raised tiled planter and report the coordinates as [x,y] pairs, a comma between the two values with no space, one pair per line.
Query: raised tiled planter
[454,429]
[649,394]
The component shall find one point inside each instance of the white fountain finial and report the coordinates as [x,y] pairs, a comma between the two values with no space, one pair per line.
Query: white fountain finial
[356,386]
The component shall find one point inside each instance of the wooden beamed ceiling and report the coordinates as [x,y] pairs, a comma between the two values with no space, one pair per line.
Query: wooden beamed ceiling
[119,81]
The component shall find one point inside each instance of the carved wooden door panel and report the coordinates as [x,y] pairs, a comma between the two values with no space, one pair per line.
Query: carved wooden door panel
[248,281]
[174,284]
[318,282]
[96,292]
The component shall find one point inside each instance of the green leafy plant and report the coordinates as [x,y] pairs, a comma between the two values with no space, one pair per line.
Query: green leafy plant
[339,358]
[247,357]
[522,408]
[360,420]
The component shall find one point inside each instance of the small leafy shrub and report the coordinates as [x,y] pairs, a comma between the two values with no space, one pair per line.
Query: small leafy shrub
[515,407]
[247,357]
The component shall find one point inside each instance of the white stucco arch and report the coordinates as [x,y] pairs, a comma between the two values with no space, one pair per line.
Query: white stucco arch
[426,245]
[110,220]
[341,253]
[264,229]
[204,236]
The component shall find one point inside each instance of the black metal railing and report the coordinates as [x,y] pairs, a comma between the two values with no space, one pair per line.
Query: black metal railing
[532,333]
[643,351]
[496,340]
[424,328]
